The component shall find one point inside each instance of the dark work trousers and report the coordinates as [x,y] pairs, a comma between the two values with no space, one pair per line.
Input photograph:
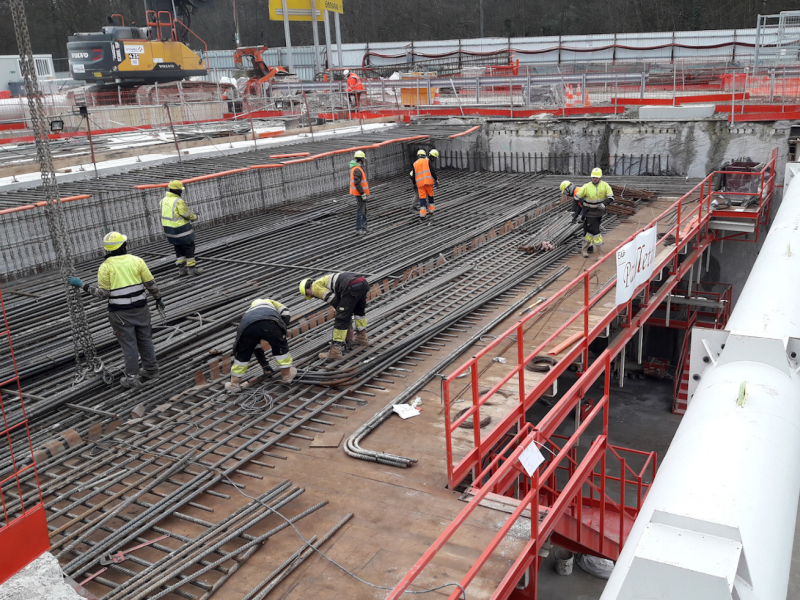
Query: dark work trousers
[361,213]
[185,251]
[352,301]
[250,342]
[132,328]
[592,225]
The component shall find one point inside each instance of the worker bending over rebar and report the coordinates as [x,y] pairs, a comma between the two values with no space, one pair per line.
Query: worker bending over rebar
[266,320]
[176,219]
[122,280]
[347,293]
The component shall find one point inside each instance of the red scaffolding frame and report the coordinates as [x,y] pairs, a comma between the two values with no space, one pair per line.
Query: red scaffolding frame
[23,531]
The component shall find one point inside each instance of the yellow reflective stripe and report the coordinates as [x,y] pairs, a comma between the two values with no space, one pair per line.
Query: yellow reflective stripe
[361,322]
[597,240]
[284,360]
[339,335]
[588,237]
[239,367]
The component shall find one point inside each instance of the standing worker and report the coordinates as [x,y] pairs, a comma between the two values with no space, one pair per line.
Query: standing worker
[122,279]
[347,293]
[355,89]
[359,187]
[570,190]
[595,197]
[176,218]
[424,180]
[265,320]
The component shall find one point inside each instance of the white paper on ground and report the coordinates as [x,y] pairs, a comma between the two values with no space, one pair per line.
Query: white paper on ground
[531,458]
[405,411]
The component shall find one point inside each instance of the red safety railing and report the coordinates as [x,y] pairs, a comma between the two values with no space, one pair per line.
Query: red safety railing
[23,530]
[580,508]
[688,225]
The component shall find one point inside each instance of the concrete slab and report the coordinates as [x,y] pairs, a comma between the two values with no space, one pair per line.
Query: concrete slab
[42,579]
[676,113]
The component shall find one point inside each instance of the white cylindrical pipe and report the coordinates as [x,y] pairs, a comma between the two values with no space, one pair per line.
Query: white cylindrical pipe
[719,520]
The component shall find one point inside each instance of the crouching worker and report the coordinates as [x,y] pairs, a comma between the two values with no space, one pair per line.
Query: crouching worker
[347,293]
[265,320]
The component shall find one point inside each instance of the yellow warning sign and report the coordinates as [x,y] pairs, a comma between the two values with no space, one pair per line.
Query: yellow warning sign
[300,10]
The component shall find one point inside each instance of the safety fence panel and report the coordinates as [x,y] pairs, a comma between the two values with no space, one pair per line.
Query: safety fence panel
[23,527]
[25,240]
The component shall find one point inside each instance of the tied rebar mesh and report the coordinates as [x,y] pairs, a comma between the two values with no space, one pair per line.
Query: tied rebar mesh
[86,359]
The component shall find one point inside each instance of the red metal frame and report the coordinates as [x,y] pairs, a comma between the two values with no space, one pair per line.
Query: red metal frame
[23,531]
[761,215]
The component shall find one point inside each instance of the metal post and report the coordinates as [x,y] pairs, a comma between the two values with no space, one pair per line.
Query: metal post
[583,82]
[338,39]
[157,101]
[674,74]
[641,88]
[641,343]
[315,32]
[288,37]
[172,128]
[91,144]
[733,98]
[328,39]
[252,127]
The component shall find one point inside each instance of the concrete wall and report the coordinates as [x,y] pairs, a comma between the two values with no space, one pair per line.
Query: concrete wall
[695,149]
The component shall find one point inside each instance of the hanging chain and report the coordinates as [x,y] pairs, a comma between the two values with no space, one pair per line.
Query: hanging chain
[86,359]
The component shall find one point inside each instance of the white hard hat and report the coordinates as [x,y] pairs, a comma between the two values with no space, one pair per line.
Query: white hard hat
[346,72]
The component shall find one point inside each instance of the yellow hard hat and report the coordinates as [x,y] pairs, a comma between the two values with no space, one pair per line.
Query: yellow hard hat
[597,172]
[303,289]
[564,185]
[421,153]
[435,153]
[114,240]
[360,154]
[175,184]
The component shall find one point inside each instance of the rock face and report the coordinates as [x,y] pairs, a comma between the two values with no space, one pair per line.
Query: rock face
[42,579]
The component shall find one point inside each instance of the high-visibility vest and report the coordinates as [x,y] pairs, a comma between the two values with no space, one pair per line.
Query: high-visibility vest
[354,83]
[124,276]
[364,185]
[175,225]
[422,172]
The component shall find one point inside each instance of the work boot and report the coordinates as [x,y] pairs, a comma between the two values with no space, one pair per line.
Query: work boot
[423,213]
[130,382]
[288,374]
[366,230]
[584,246]
[431,208]
[196,271]
[591,249]
[182,270]
[359,232]
[235,385]
[361,338]
[335,352]
[148,373]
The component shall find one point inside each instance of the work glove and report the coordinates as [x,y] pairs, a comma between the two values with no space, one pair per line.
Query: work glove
[76,281]
[287,319]
[364,197]
[435,184]
[192,217]
[160,304]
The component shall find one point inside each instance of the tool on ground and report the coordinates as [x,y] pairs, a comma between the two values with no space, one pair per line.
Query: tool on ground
[539,300]
[119,557]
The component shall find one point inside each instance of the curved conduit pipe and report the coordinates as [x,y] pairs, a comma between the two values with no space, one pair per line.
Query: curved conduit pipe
[719,520]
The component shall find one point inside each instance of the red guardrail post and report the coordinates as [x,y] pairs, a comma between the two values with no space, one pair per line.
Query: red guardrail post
[476,415]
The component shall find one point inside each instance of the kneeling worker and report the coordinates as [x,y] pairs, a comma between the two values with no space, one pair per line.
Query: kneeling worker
[265,320]
[122,280]
[347,293]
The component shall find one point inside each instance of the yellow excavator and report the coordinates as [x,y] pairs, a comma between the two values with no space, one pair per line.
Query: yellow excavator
[127,55]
